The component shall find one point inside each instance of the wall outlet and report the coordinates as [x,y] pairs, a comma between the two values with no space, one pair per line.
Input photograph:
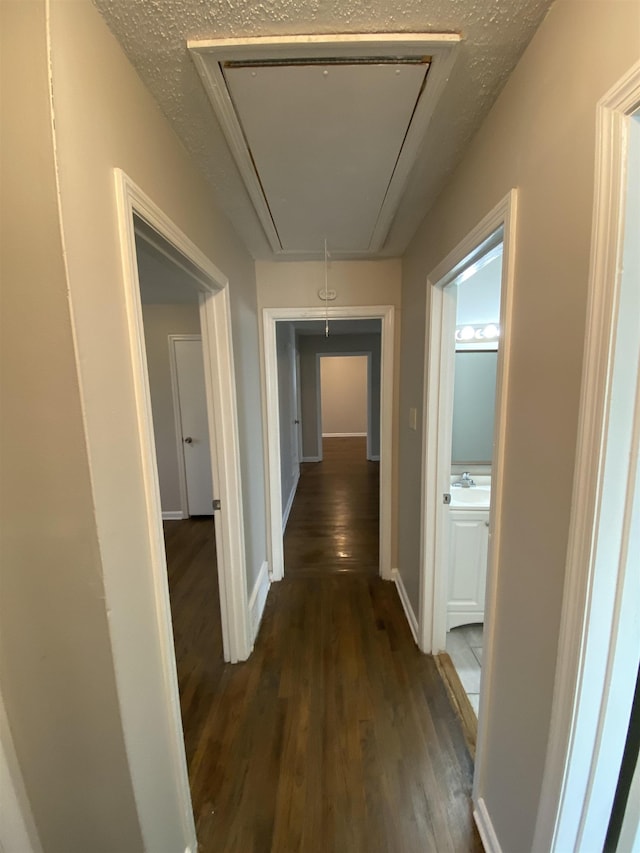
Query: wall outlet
[413,418]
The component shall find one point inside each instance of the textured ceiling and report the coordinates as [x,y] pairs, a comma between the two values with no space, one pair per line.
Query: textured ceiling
[154,34]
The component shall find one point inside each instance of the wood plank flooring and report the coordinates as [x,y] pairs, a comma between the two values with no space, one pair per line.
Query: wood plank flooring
[195,614]
[334,522]
[336,736]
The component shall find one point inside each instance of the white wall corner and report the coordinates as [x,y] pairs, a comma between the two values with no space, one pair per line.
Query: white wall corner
[259,599]
[396,577]
[311,459]
[292,494]
[485,827]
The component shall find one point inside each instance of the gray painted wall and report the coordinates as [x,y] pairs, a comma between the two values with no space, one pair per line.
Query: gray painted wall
[289,463]
[81,575]
[56,669]
[539,137]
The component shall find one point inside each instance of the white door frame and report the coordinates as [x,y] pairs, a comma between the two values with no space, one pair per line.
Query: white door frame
[498,225]
[18,832]
[341,354]
[175,395]
[215,326]
[215,321]
[270,316]
[599,641]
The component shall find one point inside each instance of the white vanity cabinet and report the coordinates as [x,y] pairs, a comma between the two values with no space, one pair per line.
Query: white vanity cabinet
[468,547]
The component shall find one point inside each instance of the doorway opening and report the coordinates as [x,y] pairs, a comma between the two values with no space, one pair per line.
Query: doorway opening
[332,523]
[186,361]
[141,221]
[462,496]
[175,367]
[349,404]
[307,328]
[476,292]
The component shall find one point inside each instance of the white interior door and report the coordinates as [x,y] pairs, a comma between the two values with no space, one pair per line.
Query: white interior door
[194,426]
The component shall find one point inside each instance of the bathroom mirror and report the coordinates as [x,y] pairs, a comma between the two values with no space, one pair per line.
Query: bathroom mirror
[474,401]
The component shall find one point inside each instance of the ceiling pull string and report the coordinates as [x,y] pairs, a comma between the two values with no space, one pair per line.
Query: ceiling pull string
[326,291]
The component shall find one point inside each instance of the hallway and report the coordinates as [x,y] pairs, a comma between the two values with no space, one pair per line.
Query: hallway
[337,734]
[334,522]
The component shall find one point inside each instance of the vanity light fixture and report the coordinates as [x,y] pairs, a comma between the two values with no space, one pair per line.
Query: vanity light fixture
[480,333]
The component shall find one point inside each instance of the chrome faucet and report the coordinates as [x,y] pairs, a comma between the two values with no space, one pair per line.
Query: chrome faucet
[465,481]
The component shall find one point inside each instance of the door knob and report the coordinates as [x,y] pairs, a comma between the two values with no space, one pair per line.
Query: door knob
[188,440]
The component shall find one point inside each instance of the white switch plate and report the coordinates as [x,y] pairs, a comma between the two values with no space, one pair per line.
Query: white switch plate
[413,419]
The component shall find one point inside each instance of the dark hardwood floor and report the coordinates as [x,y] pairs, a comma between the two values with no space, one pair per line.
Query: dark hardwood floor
[334,522]
[336,736]
[195,614]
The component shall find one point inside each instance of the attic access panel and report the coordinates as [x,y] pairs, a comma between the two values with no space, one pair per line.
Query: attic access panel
[325,130]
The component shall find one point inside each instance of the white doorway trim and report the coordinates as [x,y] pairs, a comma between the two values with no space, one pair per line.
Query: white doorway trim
[385,313]
[600,625]
[215,321]
[182,474]
[341,354]
[498,226]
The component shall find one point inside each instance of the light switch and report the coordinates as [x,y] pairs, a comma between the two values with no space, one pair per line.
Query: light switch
[413,419]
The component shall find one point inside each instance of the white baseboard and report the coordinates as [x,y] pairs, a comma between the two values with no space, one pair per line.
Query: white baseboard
[406,604]
[485,828]
[374,458]
[172,515]
[259,599]
[311,459]
[287,509]
[343,434]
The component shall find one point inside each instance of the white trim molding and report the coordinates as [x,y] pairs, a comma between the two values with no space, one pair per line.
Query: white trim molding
[258,599]
[406,603]
[270,316]
[215,320]
[344,434]
[290,500]
[485,828]
[599,642]
[18,833]
[173,515]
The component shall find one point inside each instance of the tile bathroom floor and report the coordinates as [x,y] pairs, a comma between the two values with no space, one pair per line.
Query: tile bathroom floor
[464,647]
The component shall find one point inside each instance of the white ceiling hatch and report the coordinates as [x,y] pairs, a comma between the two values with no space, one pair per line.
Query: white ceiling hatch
[325,129]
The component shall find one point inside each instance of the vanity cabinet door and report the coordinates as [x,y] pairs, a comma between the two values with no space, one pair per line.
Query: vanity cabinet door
[468,546]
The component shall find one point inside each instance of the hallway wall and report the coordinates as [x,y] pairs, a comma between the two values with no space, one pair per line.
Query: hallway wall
[289,462]
[344,398]
[539,137]
[56,668]
[80,579]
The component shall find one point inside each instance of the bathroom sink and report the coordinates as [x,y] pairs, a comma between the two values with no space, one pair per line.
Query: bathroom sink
[476,496]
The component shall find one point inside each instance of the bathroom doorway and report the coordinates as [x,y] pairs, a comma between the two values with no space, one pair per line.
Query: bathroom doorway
[477,340]
[465,421]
